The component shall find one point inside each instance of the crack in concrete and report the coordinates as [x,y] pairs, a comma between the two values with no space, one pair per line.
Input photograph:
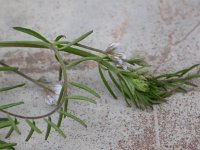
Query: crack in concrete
[156,127]
[165,53]
[188,34]
[167,49]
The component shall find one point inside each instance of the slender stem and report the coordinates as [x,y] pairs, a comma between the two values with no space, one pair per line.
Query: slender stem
[83,46]
[64,72]
[31,44]
[64,97]
[28,78]
[40,44]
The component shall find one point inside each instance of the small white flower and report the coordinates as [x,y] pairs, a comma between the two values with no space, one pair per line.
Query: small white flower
[123,56]
[125,67]
[118,58]
[114,58]
[120,61]
[113,47]
[53,98]
[116,46]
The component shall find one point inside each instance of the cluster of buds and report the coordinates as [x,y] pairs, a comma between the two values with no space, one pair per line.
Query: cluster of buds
[117,58]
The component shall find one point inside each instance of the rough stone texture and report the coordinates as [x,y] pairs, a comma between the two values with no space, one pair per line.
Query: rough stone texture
[165,32]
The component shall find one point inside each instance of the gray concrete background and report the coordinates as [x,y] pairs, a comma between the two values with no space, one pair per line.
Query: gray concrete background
[165,32]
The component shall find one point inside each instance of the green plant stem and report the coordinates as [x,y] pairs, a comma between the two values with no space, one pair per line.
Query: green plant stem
[29,78]
[61,61]
[64,72]
[83,46]
[40,44]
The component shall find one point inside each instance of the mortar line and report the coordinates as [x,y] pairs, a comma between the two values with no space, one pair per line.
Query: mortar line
[156,127]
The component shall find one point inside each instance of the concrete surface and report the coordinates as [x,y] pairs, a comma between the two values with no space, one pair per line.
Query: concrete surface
[165,32]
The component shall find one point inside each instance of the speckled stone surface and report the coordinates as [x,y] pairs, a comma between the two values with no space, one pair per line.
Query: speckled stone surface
[165,32]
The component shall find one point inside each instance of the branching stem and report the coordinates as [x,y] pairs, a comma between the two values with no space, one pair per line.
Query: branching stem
[64,97]
[28,78]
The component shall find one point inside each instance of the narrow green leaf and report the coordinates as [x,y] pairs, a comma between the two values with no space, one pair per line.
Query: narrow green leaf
[9,133]
[126,96]
[56,58]
[33,126]
[11,130]
[48,129]
[178,73]
[80,60]
[169,92]
[60,74]
[31,44]
[31,32]
[182,80]
[111,67]
[83,46]
[4,145]
[11,87]
[3,119]
[106,83]
[81,86]
[184,71]
[5,124]
[14,124]
[77,40]
[138,61]
[77,52]
[8,68]
[181,89]
[77,97]
[192,76]
[144,100]
[129,74]
[10,105]
[59,37]
[60,118]
[53,125]
[120,88]
[60,95]
[190,84]
[74,118]
[29,135]
[132,88]
[129,88]
[40,44]
[114,81]
[66,104]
